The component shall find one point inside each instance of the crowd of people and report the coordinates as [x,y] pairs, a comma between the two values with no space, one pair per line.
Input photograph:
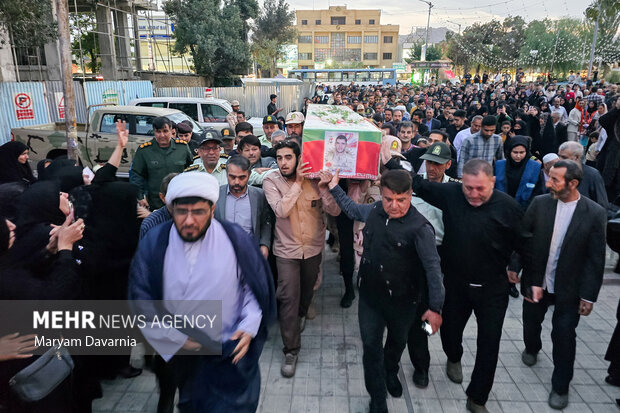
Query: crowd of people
[482,186]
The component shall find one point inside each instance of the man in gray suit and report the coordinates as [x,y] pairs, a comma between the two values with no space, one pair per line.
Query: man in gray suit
[563,265]
[245,205]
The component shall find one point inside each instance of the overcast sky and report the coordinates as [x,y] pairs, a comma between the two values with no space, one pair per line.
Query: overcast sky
[449,13]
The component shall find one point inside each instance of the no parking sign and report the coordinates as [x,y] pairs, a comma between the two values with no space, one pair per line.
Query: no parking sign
[23,106]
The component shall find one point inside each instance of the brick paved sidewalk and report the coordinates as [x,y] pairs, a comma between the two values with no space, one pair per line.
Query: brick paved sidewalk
[329,374]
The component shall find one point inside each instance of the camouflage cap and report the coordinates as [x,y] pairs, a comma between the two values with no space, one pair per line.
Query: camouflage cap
[295,117]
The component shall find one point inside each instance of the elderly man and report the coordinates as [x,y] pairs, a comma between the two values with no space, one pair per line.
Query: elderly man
[591,185]
[191,259]
[298,204]
[245,205]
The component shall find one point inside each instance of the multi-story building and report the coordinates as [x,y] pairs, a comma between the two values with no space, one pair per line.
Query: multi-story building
[344,36]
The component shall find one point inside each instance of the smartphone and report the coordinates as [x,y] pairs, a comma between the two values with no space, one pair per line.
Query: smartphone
[427,328]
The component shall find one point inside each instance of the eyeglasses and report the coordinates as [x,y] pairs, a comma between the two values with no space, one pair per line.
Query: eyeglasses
[183,212]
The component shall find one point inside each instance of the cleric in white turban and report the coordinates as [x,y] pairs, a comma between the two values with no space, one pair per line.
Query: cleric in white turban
[193,185]
[195,258]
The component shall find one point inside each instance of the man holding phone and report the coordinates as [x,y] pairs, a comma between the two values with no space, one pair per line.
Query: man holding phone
[563,265]
[400,267]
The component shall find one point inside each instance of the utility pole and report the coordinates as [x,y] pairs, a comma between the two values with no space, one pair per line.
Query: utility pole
[64,44]
[457,24]
[428,23]
[555,47]
[598,16]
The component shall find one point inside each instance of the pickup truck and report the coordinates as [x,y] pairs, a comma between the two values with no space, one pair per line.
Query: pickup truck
[97,138]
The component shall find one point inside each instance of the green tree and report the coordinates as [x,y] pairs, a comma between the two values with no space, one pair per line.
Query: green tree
[272,29]
[29,22]
[215,39]
[607,42]
[432,53]
[248,9]
[83,32]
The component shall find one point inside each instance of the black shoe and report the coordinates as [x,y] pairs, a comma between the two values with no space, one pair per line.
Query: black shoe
[393,385]
[347,298]
[514,293]
[128,372]
[420,379]
[612,380]
[378,406]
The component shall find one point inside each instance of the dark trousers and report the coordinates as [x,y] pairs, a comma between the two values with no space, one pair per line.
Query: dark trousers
[489,304]
[296,279]
[417,343]
[345,236]
[377,311]
[613,351]
[563,336]
[166,379]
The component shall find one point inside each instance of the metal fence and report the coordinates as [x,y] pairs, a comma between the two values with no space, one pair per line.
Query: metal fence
[34,103]
[253,99]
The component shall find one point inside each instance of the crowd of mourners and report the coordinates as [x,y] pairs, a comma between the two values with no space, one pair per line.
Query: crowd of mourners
[482,185]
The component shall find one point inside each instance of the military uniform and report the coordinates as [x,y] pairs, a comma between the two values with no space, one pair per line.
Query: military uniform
[152,163]
[219,172]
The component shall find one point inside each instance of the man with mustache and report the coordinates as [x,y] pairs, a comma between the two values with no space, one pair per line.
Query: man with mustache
[245,205]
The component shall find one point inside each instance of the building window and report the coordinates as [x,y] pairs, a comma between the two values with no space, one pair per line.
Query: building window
[304,22]
[387,39]
[321,39]
[317,22]
[370,56]
[305,56]
[354,55]
[304,67]
[321,55]
[358,21]
[354,39]
[371,39]
[305,39]
[339,20]
[337,47]
[387,56]
[371,21]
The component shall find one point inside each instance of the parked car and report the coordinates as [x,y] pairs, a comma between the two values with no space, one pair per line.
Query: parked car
[207,112]
[97,138]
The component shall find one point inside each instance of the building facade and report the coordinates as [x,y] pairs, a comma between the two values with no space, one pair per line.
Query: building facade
[341,36]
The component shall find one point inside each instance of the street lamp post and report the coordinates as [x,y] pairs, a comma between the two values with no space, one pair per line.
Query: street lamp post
[428,23]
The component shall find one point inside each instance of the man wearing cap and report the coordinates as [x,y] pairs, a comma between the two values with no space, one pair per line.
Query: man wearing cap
[155,159]
[295,126]
[228,139]
[270,125]
[272,109]
[231,118]
[191,260]
[208,159]
[437,160]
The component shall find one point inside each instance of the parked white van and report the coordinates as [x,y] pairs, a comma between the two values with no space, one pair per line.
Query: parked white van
[207,112]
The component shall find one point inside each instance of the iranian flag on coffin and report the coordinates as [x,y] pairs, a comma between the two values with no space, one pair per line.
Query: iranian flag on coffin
[335,137]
